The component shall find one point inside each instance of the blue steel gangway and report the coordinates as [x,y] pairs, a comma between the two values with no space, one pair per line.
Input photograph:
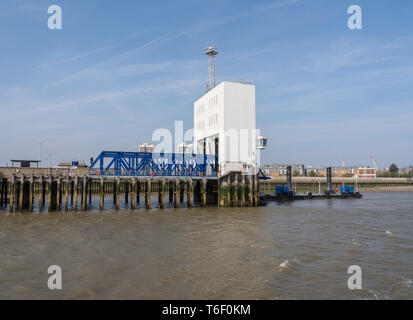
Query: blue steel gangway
[120,163]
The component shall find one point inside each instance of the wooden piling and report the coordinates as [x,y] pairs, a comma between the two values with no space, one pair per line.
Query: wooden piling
[171,191]
[72,190]
[236,190]
[176,196]
[256,191]
[162,189]
[117,189]
[229,194]
[181,191]
[204,192]
[58,194]
[31,193]
[138,190]
[132,193]
[41,194]
[250,192]
[75,192]
[148,194]
[243,191]
[21,188]
[189,191]
[66,188]
[84,191]
[49,194]
[12,193]
[101,193]
[1,191]
[126,191]
[90,191]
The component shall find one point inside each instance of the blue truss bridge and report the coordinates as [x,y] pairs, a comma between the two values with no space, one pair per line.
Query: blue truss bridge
[145,164]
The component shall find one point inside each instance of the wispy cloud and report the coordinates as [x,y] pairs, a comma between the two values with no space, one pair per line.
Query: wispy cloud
[207,25]
[72,58]
[110,60]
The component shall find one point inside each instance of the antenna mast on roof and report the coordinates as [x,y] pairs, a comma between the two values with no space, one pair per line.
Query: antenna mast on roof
[211,53]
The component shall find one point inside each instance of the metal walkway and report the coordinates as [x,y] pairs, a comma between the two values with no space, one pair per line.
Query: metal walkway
[119,163]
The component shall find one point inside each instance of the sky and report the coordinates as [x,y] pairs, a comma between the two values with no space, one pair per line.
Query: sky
[119,70]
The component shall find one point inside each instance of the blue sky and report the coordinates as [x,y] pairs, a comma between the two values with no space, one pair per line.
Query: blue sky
[121,69]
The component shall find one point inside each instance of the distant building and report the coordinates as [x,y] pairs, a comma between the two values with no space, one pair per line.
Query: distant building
[276,170]
[366,172]
[146,147]
[184,148]
[73,164]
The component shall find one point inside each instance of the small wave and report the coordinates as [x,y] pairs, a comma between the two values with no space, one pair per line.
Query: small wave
[406,282]
[356,243]
[285,264]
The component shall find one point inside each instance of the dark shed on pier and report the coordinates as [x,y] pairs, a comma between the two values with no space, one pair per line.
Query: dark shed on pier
[25,163]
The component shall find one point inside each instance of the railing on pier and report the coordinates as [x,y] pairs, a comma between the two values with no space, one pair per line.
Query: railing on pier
[118,163]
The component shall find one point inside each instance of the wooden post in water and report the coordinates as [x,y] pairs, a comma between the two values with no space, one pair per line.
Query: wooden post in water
[126,184]
[90,190]
[204,192]
[132,184]
[84,191]
[2,198]
[162,189]
[256,191]
[229,193]
[21,193]
[223,194]
[171,191]
[181,191]
[75,191]
[5,191]
[58,195]
[1,192]
[31,193]
[101,193]
[49,193]
[189,191]
[250,190]
[243,191]
[236,190]
[66,187]
[41,195]
[117,193]
[12,193]
[176,197]
[148,194]
[138,190]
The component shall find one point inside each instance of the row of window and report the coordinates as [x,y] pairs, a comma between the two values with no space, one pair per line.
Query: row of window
[201,125]
[213,102]
[213,120]
[201,108]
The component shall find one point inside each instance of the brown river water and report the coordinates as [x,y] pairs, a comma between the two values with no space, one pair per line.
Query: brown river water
[299,250]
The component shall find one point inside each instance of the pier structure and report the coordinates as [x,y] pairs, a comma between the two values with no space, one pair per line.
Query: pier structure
[38,193]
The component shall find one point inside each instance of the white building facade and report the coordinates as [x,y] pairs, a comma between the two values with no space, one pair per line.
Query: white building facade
[224,125]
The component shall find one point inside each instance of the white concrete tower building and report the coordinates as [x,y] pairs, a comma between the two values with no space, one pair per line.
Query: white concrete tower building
[224,124]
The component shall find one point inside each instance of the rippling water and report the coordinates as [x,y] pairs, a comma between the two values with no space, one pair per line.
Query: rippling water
[299,250]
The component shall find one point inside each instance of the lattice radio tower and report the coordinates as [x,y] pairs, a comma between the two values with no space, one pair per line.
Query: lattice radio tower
[211,53]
